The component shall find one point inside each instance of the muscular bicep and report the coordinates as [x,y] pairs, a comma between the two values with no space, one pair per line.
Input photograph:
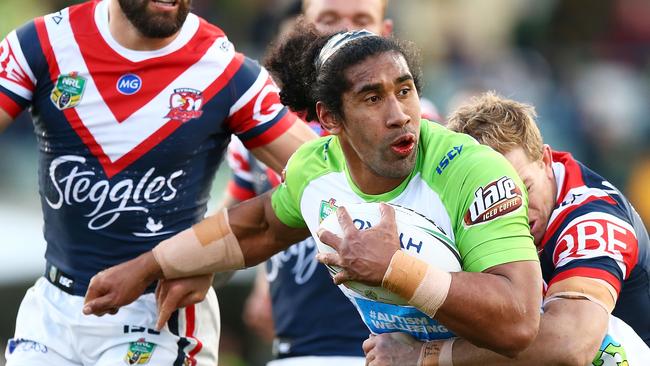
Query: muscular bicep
[5,120]
[570,333]
[524,280]
[259,231]
[276,153]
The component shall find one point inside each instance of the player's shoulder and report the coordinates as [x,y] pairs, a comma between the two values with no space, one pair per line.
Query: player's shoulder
[323,152]
[598,214]
[207,30]
[584,192]
[315,158]
[446,151]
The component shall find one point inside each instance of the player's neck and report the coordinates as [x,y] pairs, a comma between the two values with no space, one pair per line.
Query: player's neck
[128,36]
[366,179]
[374,184]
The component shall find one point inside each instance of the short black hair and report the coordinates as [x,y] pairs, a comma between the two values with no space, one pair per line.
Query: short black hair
[291,63]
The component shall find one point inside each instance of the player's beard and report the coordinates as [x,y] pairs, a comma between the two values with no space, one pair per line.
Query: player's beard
[154,25]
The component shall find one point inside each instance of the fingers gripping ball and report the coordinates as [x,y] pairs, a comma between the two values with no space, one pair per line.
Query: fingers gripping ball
[419,237]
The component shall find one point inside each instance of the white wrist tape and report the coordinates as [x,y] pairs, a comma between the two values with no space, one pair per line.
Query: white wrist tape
[424,286]
[209,246]
[436,353]
[577,287]
[429,354]
[571,295]
[446,353]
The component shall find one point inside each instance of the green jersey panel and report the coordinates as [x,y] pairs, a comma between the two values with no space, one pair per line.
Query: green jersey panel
[468,189]
[312,160]
[484,196]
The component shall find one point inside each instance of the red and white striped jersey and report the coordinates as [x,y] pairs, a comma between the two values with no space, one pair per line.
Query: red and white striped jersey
[129,140]
[595,232]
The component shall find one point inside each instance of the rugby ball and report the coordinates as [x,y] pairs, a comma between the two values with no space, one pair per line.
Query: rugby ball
[419,237]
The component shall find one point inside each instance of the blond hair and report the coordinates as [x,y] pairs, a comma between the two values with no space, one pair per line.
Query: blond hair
[500,123]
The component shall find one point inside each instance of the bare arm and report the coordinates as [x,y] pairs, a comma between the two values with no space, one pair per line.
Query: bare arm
[498,308]
[259,231]
[5,120]
[570,332]
[259,234]
[571,329]
[258,314]
[276,153]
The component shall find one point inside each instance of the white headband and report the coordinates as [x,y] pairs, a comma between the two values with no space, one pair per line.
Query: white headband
[336,42]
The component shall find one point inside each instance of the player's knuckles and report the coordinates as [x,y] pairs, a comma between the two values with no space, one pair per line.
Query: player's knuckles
[327,258]
[368,345]
[381,359]
[383,346]
[341,277]
[195,297]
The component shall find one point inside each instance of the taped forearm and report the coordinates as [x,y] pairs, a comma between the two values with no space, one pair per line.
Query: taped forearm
[424,286]
[592,289]
[437,353]
[209,246]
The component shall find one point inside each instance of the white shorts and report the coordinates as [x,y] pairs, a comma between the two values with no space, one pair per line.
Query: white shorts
[51,330]
[319,361]
[621,340]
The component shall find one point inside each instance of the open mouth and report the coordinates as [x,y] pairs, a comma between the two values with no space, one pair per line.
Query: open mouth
[404,145]
[166,3]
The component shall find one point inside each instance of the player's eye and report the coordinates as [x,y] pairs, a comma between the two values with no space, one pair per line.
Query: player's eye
[362,21]
[373,99]
[329,20]
[529,186]
[404,91]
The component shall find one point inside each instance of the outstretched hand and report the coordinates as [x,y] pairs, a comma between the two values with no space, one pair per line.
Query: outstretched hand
[362,255]
[120,285]
[179,293]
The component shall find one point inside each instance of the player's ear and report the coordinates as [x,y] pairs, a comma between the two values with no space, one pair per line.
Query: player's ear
[547,160]
[327,119]
[387,27]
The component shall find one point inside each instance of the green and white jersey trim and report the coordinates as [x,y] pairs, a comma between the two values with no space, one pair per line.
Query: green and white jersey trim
[467,189]
[412,195]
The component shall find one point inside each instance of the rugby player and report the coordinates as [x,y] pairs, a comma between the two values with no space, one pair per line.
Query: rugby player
[363,88]
[593,249]
[133,103]
[293,280]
